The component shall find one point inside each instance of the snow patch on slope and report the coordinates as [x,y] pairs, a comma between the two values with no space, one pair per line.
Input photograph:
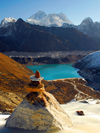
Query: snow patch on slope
[85,24]
[8,21]
[92,60]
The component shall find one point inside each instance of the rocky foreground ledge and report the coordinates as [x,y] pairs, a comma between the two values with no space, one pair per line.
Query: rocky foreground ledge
[39,110]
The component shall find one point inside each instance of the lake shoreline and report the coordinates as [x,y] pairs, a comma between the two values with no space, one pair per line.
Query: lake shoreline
[55,71]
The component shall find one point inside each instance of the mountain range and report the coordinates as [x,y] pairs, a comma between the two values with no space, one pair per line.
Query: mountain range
[41,18]
[53,32]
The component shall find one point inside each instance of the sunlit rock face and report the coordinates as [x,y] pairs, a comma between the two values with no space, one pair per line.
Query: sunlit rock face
[39,111]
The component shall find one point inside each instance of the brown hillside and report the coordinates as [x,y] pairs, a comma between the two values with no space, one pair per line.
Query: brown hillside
[67,89]
[14,80]
[13,76]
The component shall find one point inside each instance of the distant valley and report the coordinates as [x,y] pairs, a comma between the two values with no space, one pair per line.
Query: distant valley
[14,80]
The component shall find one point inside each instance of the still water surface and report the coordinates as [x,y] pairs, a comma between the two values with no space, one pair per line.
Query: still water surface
[55,71]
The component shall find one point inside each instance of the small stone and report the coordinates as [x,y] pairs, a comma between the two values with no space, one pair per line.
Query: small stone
[80,112]
[33,88]
[36,82]
[37,74]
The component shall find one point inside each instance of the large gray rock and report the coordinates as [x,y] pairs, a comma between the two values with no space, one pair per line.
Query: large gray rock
[39,111]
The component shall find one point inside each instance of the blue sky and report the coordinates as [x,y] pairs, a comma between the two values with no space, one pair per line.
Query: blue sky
[75,10]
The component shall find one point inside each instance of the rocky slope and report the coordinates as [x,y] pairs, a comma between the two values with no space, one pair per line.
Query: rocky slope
[78,40]
[14,80]
[90,28]
[67,89]
[8,21]
[90,69]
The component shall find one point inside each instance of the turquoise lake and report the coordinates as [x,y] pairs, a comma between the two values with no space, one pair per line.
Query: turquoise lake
[55,71]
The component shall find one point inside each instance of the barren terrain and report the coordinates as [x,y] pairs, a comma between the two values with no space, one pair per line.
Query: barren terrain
[14,80]
[53,57]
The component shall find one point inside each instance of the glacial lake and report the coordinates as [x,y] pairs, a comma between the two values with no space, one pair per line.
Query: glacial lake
[55,71]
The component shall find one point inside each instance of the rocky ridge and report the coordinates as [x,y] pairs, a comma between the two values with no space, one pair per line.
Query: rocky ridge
[56,57]
[25,37]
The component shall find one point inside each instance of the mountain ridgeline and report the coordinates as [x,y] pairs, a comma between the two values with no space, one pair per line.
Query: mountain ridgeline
[24,37]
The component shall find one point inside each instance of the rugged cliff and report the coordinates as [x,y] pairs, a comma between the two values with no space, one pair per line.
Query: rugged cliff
[89,68]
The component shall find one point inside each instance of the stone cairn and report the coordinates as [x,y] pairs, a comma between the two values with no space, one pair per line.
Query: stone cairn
[36,79]
[39,110]
[36,89]
[36,85]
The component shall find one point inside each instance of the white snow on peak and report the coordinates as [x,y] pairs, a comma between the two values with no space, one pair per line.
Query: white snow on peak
[41,18]
[6,21]
[85,24]
[92,60]
[38,16]
[86,21]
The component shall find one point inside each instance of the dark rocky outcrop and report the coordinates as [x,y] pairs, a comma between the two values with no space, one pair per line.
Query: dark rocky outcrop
[89,68]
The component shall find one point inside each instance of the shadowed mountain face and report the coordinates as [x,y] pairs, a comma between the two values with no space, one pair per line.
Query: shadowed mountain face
[3,47]
[22,36]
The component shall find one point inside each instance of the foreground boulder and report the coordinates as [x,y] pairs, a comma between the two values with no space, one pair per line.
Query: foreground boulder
[39,111]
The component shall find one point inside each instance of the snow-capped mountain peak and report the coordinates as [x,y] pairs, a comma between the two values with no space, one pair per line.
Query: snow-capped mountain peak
[38,16]
[41,18]
[85,25]
[87,21]
[7,21]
